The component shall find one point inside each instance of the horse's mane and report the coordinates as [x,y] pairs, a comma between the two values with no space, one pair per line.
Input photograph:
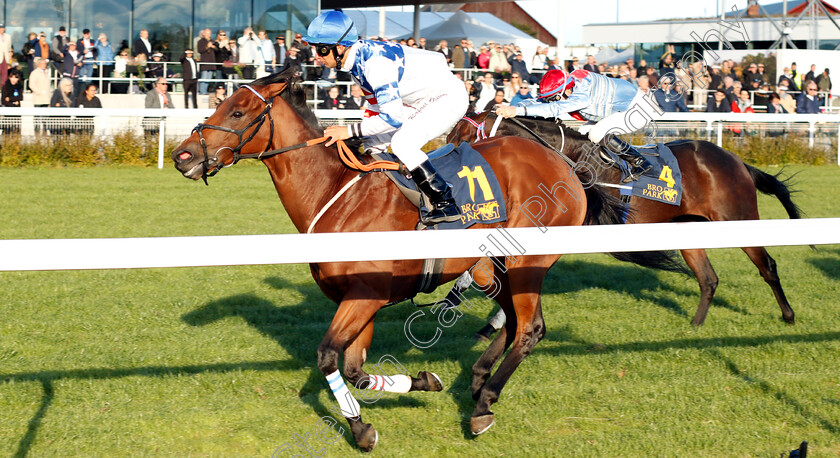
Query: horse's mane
[294,95]
[533,122]
[567,131]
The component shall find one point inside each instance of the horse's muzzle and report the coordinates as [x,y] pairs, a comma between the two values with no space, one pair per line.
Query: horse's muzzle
[187,163]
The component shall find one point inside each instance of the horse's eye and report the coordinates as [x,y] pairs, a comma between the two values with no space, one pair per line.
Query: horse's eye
[236,114]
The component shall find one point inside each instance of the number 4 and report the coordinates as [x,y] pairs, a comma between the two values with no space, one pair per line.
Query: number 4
[667,176]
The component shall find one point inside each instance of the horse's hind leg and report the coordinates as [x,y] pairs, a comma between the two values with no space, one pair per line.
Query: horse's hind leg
[397,381]
[706,277]
[525,285]
[767,266]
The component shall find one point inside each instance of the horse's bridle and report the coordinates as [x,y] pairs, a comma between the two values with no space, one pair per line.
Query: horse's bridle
[209,171]
[346,155]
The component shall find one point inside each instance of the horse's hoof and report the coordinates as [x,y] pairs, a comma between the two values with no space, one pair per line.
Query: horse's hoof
[790,319]
[485,333]
[364,434]
[426,381]
[432,380]
[368,443]
[481,424]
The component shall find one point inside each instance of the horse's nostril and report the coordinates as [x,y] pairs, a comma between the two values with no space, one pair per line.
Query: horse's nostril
[185,156]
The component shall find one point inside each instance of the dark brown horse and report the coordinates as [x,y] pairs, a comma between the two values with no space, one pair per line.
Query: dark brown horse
[271,115]
[717,186]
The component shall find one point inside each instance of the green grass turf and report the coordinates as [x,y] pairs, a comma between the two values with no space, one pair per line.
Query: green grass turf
[221,361]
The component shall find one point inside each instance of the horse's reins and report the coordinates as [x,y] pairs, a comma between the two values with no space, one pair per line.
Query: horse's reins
[481,135]
[347,157]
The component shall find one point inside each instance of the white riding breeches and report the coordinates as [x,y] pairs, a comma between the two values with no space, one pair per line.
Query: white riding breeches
[429,120]
[643,110]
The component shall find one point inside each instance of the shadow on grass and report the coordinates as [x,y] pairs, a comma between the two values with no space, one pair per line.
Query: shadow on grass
[830,267]
[777,393]
[299,328]
[31,429]
[632,281]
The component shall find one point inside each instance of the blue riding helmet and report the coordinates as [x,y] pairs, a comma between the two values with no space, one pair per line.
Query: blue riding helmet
[332,28]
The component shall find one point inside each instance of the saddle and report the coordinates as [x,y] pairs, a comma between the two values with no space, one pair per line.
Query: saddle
[474,185]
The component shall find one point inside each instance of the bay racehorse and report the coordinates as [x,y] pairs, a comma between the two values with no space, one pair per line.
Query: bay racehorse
[717,186]
[270,117]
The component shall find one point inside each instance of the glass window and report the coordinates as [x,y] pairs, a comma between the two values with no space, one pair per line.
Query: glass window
[101,16]
[34,16]
[168,23]
[232,16]
[279,17]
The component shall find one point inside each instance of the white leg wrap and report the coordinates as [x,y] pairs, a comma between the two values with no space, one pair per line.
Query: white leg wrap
[464,281]
[391,383]
[498,320]
[348,404]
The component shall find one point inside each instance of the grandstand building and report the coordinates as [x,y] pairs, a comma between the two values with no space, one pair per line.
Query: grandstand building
[169,21]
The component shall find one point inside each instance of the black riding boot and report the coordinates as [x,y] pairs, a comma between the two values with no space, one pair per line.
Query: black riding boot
[638,163]
[439,193]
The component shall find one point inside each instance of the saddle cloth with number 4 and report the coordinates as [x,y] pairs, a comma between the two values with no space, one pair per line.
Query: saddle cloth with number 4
[663,182]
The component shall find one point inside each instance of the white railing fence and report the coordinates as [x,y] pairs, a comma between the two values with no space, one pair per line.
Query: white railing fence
[135,253]
[822,129]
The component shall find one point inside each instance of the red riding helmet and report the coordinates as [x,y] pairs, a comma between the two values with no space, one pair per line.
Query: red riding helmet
[554,82]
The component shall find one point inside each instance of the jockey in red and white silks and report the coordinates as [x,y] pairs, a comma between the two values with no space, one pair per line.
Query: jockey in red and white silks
[417,97]
[609,105]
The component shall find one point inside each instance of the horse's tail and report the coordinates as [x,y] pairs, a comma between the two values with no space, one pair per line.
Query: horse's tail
[772,185]
[602,208]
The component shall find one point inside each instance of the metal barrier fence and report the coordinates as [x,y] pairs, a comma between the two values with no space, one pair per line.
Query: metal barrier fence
[822,130]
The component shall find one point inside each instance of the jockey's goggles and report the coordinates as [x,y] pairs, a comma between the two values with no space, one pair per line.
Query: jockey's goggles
[554,97]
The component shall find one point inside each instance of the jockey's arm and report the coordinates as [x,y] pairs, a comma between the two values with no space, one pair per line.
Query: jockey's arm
[382,74]
[578,100]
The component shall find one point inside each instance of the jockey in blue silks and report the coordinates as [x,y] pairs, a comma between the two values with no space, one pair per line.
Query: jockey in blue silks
[417,97]
[607,104]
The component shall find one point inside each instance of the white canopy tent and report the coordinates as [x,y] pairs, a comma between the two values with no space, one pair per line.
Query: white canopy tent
[480,28]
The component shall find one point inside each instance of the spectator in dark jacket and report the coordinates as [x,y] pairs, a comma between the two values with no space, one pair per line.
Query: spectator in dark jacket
[591,64]
[88,98]
[775,106]
[12,92]
[669,99]
[294,59]
[808,103]
[332,102]
[787,76]
[207,49]
[719,103]
[517,65]
[190,71]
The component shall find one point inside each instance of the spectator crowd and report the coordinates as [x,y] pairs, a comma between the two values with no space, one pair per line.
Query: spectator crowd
[493,73]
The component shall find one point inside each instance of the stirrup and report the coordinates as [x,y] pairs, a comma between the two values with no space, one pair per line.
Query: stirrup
[447,214]
[631,176]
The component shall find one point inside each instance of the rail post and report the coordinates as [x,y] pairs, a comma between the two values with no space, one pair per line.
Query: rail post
[161,135]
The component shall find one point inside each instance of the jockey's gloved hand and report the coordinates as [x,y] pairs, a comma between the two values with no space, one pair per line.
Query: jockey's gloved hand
[585,128]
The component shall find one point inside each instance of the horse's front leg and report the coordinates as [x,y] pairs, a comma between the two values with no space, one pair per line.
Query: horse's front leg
[389,374]
[355,314]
